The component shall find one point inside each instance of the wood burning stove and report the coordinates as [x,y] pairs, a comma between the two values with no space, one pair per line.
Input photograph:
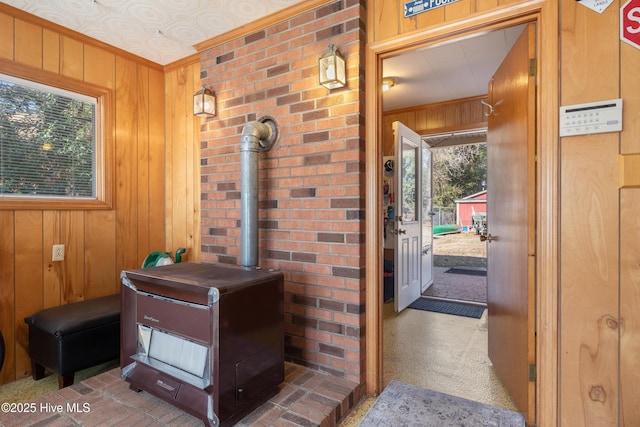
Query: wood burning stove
[206,338]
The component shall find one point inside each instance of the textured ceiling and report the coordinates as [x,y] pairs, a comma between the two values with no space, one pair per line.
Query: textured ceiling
[457,69]
[165,31]
[162,31]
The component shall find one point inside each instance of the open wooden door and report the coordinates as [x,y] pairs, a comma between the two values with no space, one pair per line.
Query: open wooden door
[511,222]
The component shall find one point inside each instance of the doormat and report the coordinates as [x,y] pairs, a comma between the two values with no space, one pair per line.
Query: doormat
[447,307]
[403,404]
[469,271]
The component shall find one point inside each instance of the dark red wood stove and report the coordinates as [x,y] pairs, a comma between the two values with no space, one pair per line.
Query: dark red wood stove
[206,338]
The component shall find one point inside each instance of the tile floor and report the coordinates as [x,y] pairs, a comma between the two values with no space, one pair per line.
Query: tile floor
[443,353]
[439,352]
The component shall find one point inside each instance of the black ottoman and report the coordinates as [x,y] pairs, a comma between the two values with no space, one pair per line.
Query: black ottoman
[73,337]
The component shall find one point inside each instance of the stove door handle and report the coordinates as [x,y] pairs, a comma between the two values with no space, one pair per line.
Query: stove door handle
[165,386]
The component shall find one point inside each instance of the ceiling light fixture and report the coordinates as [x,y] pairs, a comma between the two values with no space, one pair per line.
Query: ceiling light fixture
[388,83]
[332,69]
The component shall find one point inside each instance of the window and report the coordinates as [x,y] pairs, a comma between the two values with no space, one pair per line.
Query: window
[52,149]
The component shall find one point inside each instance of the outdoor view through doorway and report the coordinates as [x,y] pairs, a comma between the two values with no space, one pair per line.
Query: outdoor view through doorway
[460,259]
[459,193]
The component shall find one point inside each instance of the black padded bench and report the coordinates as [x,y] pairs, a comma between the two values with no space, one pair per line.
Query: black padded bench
[73,337]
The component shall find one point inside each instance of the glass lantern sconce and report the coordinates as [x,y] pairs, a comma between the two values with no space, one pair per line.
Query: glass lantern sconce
[332,69]
[388,83]
[204,103]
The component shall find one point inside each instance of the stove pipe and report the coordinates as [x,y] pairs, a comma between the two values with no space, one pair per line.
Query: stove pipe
[257,136]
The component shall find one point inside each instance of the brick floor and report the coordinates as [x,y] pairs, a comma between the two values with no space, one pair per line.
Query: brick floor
[463,287]
[306,398]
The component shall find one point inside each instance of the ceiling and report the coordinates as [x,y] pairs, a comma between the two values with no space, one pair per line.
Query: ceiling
[452,70]
[164,31]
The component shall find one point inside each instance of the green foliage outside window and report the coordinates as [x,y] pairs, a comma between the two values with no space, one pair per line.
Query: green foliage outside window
[47,141]
[458,171]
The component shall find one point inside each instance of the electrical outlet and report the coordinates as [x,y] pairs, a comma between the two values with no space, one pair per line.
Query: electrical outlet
[58,253]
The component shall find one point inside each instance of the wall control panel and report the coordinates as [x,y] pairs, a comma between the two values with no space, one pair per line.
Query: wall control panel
[594,117]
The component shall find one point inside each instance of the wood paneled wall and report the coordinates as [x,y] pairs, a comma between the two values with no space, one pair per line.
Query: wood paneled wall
[386,17]
[450,116]
[183,228]
[600,241]
[98,243]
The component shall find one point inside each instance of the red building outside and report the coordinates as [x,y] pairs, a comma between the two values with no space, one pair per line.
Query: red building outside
[466,207]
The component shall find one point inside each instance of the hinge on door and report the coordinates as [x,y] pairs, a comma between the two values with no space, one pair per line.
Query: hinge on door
[533,67]
[532,372]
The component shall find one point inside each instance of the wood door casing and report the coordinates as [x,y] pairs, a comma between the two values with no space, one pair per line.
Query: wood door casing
[511,222]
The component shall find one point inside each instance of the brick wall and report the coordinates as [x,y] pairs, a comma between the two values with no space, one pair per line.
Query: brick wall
[311,195]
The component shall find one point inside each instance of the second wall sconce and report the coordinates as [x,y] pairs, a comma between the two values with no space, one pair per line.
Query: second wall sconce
[204,103]
[388,83]
[332,69]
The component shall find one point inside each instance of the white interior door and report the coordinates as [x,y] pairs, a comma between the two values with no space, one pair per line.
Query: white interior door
[407,226]
[426,254]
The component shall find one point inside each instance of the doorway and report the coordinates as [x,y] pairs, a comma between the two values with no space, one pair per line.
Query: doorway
[459,218]
[448,42]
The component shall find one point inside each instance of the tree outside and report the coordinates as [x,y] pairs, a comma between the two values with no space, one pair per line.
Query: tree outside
[458,171]
[47,143]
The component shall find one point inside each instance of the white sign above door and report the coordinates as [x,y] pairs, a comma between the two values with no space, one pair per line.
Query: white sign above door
[597,5]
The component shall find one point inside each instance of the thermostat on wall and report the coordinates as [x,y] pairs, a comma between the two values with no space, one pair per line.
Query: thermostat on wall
[594,117]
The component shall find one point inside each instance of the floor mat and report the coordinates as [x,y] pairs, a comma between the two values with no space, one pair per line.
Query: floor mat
[447,307]
[469,271]
[403,404]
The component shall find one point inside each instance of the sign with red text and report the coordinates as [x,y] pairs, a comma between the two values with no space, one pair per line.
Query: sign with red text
[630,23]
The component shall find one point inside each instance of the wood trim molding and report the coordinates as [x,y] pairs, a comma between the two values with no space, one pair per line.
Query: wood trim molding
[260,24]
[27,17]
[374,247]
[447,129]
[181,63]
[518,13]
[629,170]
[104,144]
[436,105]
[548,218]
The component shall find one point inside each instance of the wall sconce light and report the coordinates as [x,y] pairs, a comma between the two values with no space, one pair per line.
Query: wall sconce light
[388,83]
[204,103]
[332,69]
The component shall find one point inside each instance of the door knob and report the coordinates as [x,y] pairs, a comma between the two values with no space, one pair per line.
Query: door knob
[488,237]
[401,231]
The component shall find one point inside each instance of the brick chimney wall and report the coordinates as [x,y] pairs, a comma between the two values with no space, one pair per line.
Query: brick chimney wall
[311,183]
